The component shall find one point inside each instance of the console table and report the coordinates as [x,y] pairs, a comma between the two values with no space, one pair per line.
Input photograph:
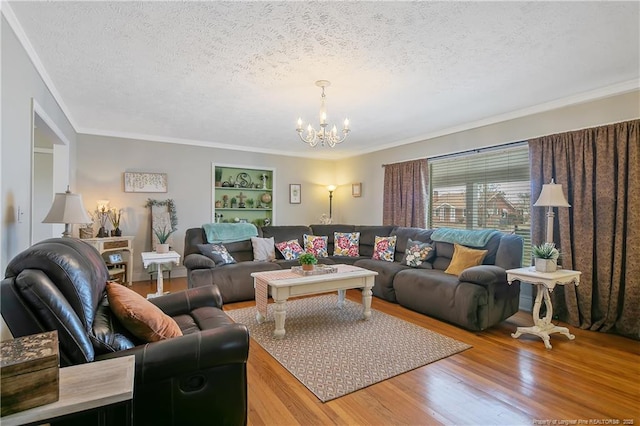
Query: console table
[114,244]
[83,388]
[545,283]
[154,258]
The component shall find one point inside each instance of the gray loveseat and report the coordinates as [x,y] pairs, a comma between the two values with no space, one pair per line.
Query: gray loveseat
[476,299]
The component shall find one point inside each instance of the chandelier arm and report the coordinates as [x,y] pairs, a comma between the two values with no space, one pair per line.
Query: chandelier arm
[311,139]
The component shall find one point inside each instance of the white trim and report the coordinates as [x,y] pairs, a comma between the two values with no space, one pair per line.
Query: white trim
[39,150]
[194,142]
[49,122]
[8,13]
[36,108]
[592,95]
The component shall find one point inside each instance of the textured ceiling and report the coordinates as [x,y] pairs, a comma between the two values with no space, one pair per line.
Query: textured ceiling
[239,74]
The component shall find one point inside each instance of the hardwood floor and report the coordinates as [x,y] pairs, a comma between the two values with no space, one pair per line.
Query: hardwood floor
[594,379]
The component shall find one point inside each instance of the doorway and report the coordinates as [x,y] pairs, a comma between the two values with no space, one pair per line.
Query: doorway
[49,172]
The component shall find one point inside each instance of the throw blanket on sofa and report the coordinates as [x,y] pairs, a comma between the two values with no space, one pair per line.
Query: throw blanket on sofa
[465,237]
[229,232]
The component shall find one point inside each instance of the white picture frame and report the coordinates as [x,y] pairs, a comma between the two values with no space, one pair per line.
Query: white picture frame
[356,189]
[295,193]
[145,182]
[115,258]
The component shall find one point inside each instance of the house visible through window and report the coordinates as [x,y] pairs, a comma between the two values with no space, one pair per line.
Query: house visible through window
[485,189]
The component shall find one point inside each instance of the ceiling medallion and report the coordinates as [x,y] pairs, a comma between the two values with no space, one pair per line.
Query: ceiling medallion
[322,136]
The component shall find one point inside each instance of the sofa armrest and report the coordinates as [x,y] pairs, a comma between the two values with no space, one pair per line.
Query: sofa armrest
[198,261]
[183,302]
[183,355]
[484,275]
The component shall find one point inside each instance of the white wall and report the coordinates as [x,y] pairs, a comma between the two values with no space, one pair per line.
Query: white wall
[368,168]
[20,84]
[101,162]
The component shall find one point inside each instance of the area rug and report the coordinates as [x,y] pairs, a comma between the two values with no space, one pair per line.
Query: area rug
[333,351]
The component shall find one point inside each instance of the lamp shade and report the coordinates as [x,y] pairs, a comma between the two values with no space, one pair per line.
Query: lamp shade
[552,196]
[67,208]
[331,188]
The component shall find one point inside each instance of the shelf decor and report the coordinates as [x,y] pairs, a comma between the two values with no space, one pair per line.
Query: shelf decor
[145,182]
[245,194]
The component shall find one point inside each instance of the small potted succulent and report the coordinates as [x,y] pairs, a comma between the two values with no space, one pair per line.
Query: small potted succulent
[307,261]
[546,257]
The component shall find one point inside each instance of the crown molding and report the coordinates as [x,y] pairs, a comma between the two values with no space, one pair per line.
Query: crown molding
[588,96]
[8,13]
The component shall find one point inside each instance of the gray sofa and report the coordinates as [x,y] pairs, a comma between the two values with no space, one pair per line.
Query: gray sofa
[476,299]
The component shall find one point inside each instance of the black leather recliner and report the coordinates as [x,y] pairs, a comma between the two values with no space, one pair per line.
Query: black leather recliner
[198,378]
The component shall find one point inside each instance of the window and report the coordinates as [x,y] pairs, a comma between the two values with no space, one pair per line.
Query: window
[484,189]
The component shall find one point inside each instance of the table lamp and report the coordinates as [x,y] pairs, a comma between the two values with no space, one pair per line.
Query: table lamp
[551,196]
[67,208]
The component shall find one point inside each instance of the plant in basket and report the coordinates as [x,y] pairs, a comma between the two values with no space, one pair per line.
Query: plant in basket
[307,261]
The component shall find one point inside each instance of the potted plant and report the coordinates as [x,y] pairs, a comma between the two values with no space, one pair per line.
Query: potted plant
[307,261]
[218,178]
[546,257]
[114,216]
[163,235]
[234,202]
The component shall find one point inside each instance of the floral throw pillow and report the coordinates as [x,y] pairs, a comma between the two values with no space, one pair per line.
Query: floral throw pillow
[316,245]
[417,253]
[384,248]
[290,250]
[346,244]
[216,252]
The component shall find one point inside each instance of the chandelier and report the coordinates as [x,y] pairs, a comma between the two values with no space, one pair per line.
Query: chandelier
[323,136]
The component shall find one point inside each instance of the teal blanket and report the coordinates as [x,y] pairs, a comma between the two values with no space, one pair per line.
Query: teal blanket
[229,232]
[465,237]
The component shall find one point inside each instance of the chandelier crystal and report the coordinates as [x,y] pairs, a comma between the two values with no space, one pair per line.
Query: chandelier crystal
[323,136]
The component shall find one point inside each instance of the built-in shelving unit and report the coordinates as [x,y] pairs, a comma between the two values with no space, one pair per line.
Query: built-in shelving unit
[252,190]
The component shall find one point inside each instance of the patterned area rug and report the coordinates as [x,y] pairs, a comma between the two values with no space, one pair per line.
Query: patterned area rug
[333,351]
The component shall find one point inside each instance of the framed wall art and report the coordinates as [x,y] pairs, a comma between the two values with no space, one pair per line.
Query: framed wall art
[356,189]
[295,196]
[145,182]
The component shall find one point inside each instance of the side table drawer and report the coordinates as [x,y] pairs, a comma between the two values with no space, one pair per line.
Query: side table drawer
[108,245]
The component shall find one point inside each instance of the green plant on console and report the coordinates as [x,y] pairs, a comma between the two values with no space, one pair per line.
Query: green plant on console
[545,251]
[307,259]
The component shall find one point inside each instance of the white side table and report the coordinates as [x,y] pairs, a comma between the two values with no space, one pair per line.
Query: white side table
[115,244]
[545,283]
[151,258]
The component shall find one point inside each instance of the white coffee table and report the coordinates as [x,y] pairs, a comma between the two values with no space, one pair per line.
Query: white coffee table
[285,284]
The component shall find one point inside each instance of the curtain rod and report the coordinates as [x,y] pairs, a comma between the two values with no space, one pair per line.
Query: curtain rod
[469,151]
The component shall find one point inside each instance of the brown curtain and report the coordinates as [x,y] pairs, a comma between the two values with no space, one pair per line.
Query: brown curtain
[405,194]
[599,235]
